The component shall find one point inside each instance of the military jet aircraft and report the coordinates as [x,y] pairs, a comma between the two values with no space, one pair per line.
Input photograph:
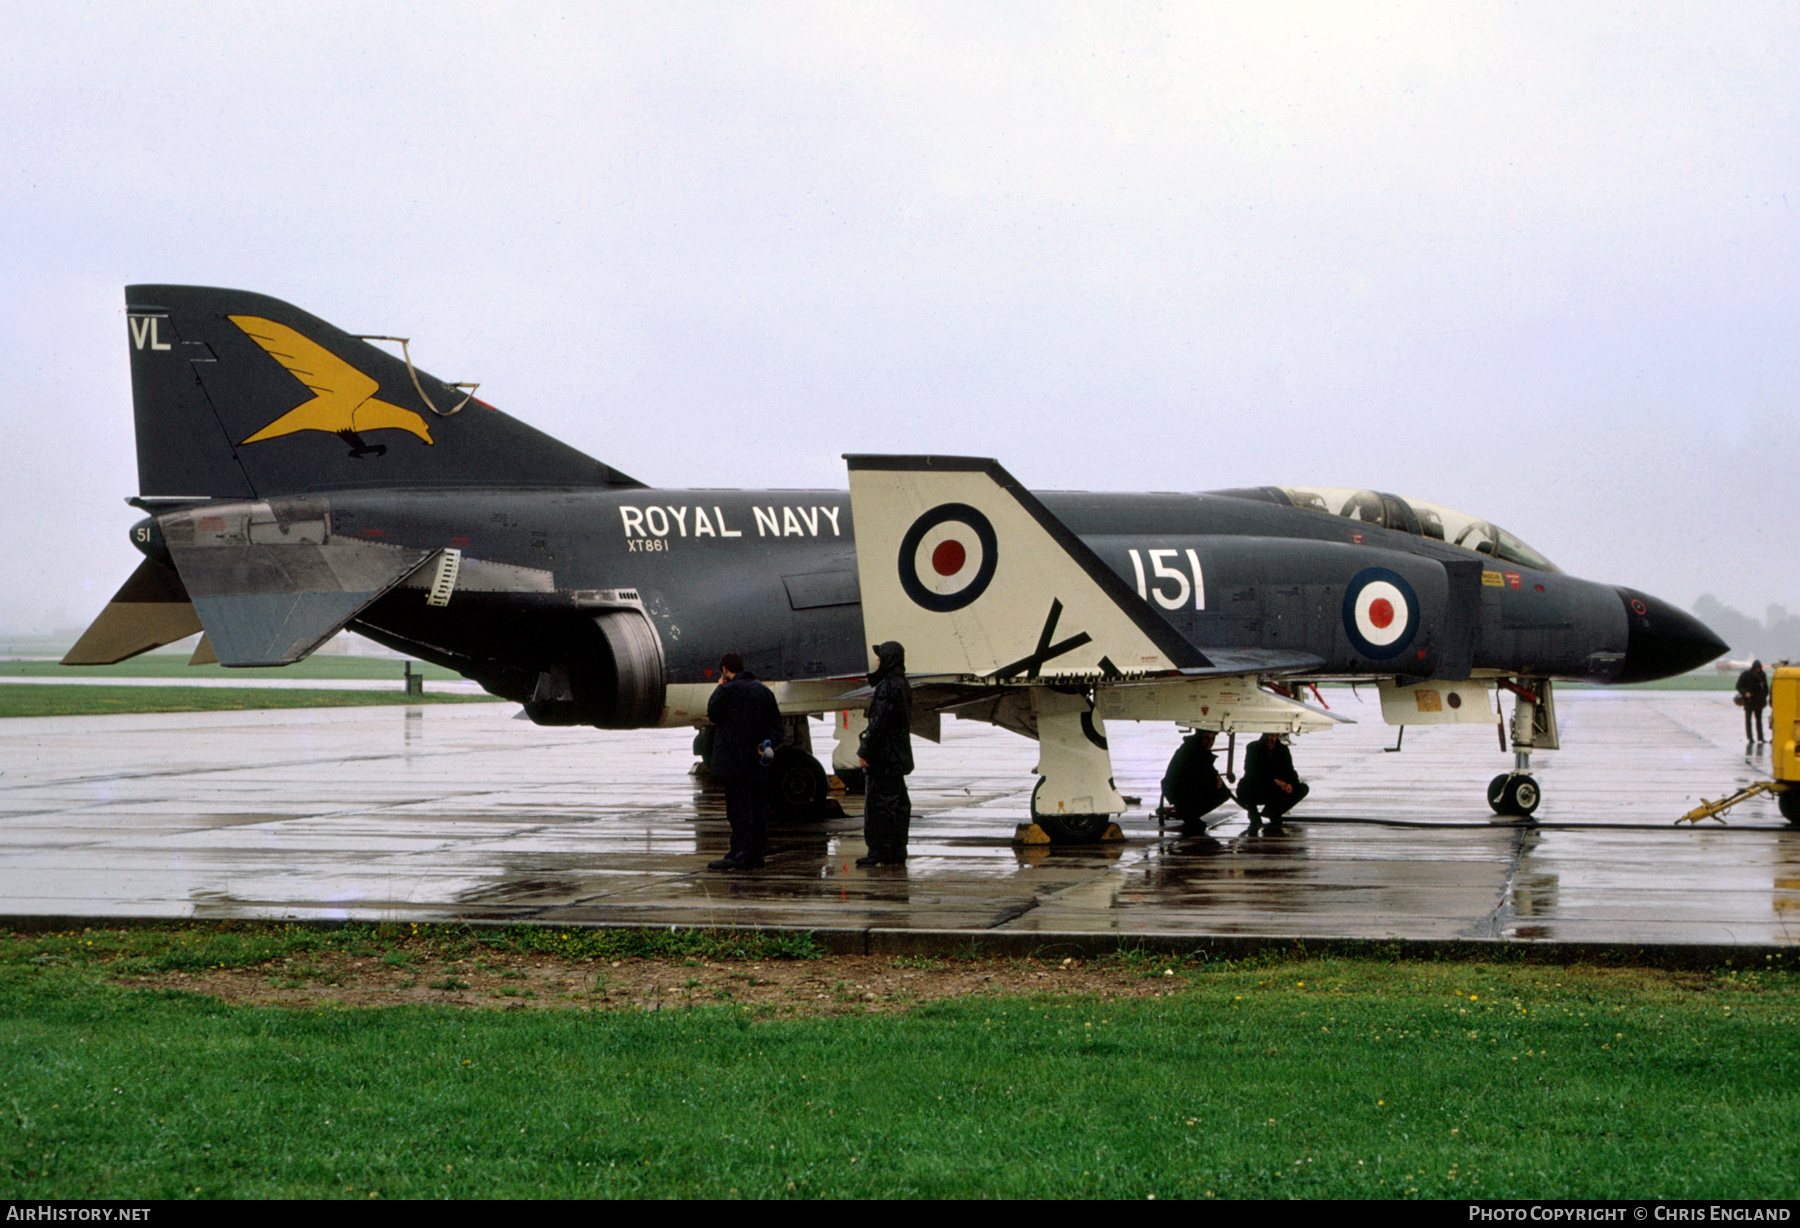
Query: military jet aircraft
[299,480]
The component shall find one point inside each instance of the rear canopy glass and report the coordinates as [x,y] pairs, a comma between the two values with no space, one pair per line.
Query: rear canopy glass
[1417,517]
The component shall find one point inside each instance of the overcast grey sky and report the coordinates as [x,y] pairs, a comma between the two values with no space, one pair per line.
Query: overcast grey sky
[1535,262]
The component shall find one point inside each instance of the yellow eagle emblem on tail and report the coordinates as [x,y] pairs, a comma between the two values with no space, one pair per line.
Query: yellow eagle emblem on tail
[343,402]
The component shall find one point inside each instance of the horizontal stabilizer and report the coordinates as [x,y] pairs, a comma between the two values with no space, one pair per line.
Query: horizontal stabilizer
[977,578]
[275,628]
[272,582]
[149,610]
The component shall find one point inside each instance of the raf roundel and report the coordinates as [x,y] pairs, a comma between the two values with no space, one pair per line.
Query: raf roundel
[947,557]
[1381,613]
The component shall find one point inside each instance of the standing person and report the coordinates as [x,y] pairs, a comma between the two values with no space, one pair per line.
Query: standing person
[747,721]
[1270,781]
[1753,694]
[1192,784]
[886,758]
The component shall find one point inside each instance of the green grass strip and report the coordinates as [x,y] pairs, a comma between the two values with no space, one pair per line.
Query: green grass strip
[174,665]
[179,946]
[1275,1078]
[49,700]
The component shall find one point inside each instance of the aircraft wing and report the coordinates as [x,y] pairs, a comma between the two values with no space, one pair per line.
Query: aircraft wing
[971,572]
[990,593]
[1227,662]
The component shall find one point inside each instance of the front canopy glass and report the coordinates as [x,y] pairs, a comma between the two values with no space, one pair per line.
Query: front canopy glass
[1415,516]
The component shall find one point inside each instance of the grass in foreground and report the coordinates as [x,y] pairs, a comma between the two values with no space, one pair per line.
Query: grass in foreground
[1280,1077]
[49,700]
[322,666]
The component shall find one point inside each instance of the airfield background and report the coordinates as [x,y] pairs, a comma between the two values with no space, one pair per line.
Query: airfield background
[1533,261]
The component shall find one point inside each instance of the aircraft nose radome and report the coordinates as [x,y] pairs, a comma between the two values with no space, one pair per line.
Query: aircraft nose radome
[1664,641]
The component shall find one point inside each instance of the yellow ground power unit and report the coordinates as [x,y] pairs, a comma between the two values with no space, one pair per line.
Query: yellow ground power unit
[1784,738]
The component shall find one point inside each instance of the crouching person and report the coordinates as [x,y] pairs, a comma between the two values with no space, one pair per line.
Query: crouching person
[1270,782]
[1192,786]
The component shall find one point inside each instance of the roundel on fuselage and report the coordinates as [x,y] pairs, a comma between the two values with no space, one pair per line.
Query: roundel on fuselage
[1381,613]
[947,557]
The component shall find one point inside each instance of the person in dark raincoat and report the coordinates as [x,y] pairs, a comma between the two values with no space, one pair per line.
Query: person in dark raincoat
[886,759]
[747,721]
[1192,785]
[1270,782]
[1753,694]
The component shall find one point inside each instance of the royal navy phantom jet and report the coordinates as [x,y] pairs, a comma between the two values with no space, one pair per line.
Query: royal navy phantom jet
[298,480]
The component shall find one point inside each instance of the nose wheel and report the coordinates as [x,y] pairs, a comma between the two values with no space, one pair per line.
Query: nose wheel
[1514,793]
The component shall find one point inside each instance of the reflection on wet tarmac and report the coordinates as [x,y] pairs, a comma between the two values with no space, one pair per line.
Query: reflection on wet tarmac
[461,812]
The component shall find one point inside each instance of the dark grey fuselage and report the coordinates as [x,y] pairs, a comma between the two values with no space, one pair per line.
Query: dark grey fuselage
[772,574]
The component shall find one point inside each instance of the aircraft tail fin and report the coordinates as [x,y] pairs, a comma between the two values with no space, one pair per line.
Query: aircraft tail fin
[976,577]
[242,396]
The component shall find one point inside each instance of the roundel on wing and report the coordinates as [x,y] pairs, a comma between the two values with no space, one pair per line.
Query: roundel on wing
[1381,613]
[948,557]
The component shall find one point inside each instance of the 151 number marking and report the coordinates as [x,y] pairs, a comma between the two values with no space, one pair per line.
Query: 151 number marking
[1164,576]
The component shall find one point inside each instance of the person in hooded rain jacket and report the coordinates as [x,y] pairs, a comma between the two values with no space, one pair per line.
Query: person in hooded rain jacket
[886,758]
[1753,694]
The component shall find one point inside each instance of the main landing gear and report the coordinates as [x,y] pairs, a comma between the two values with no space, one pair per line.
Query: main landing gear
[1075,801]
[1516,793]
[795,783]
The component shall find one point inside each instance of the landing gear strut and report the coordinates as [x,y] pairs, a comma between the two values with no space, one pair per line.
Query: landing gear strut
[1075,802]
[1516,793]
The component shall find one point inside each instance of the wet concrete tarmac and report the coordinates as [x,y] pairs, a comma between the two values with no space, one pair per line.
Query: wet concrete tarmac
[461,812]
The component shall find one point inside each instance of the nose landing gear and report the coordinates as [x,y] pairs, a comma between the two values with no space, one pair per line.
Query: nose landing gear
[1516,793]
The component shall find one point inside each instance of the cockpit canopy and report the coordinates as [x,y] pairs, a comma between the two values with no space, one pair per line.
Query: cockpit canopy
[1413,516]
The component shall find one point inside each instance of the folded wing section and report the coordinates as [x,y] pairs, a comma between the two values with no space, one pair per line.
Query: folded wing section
[977,578]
